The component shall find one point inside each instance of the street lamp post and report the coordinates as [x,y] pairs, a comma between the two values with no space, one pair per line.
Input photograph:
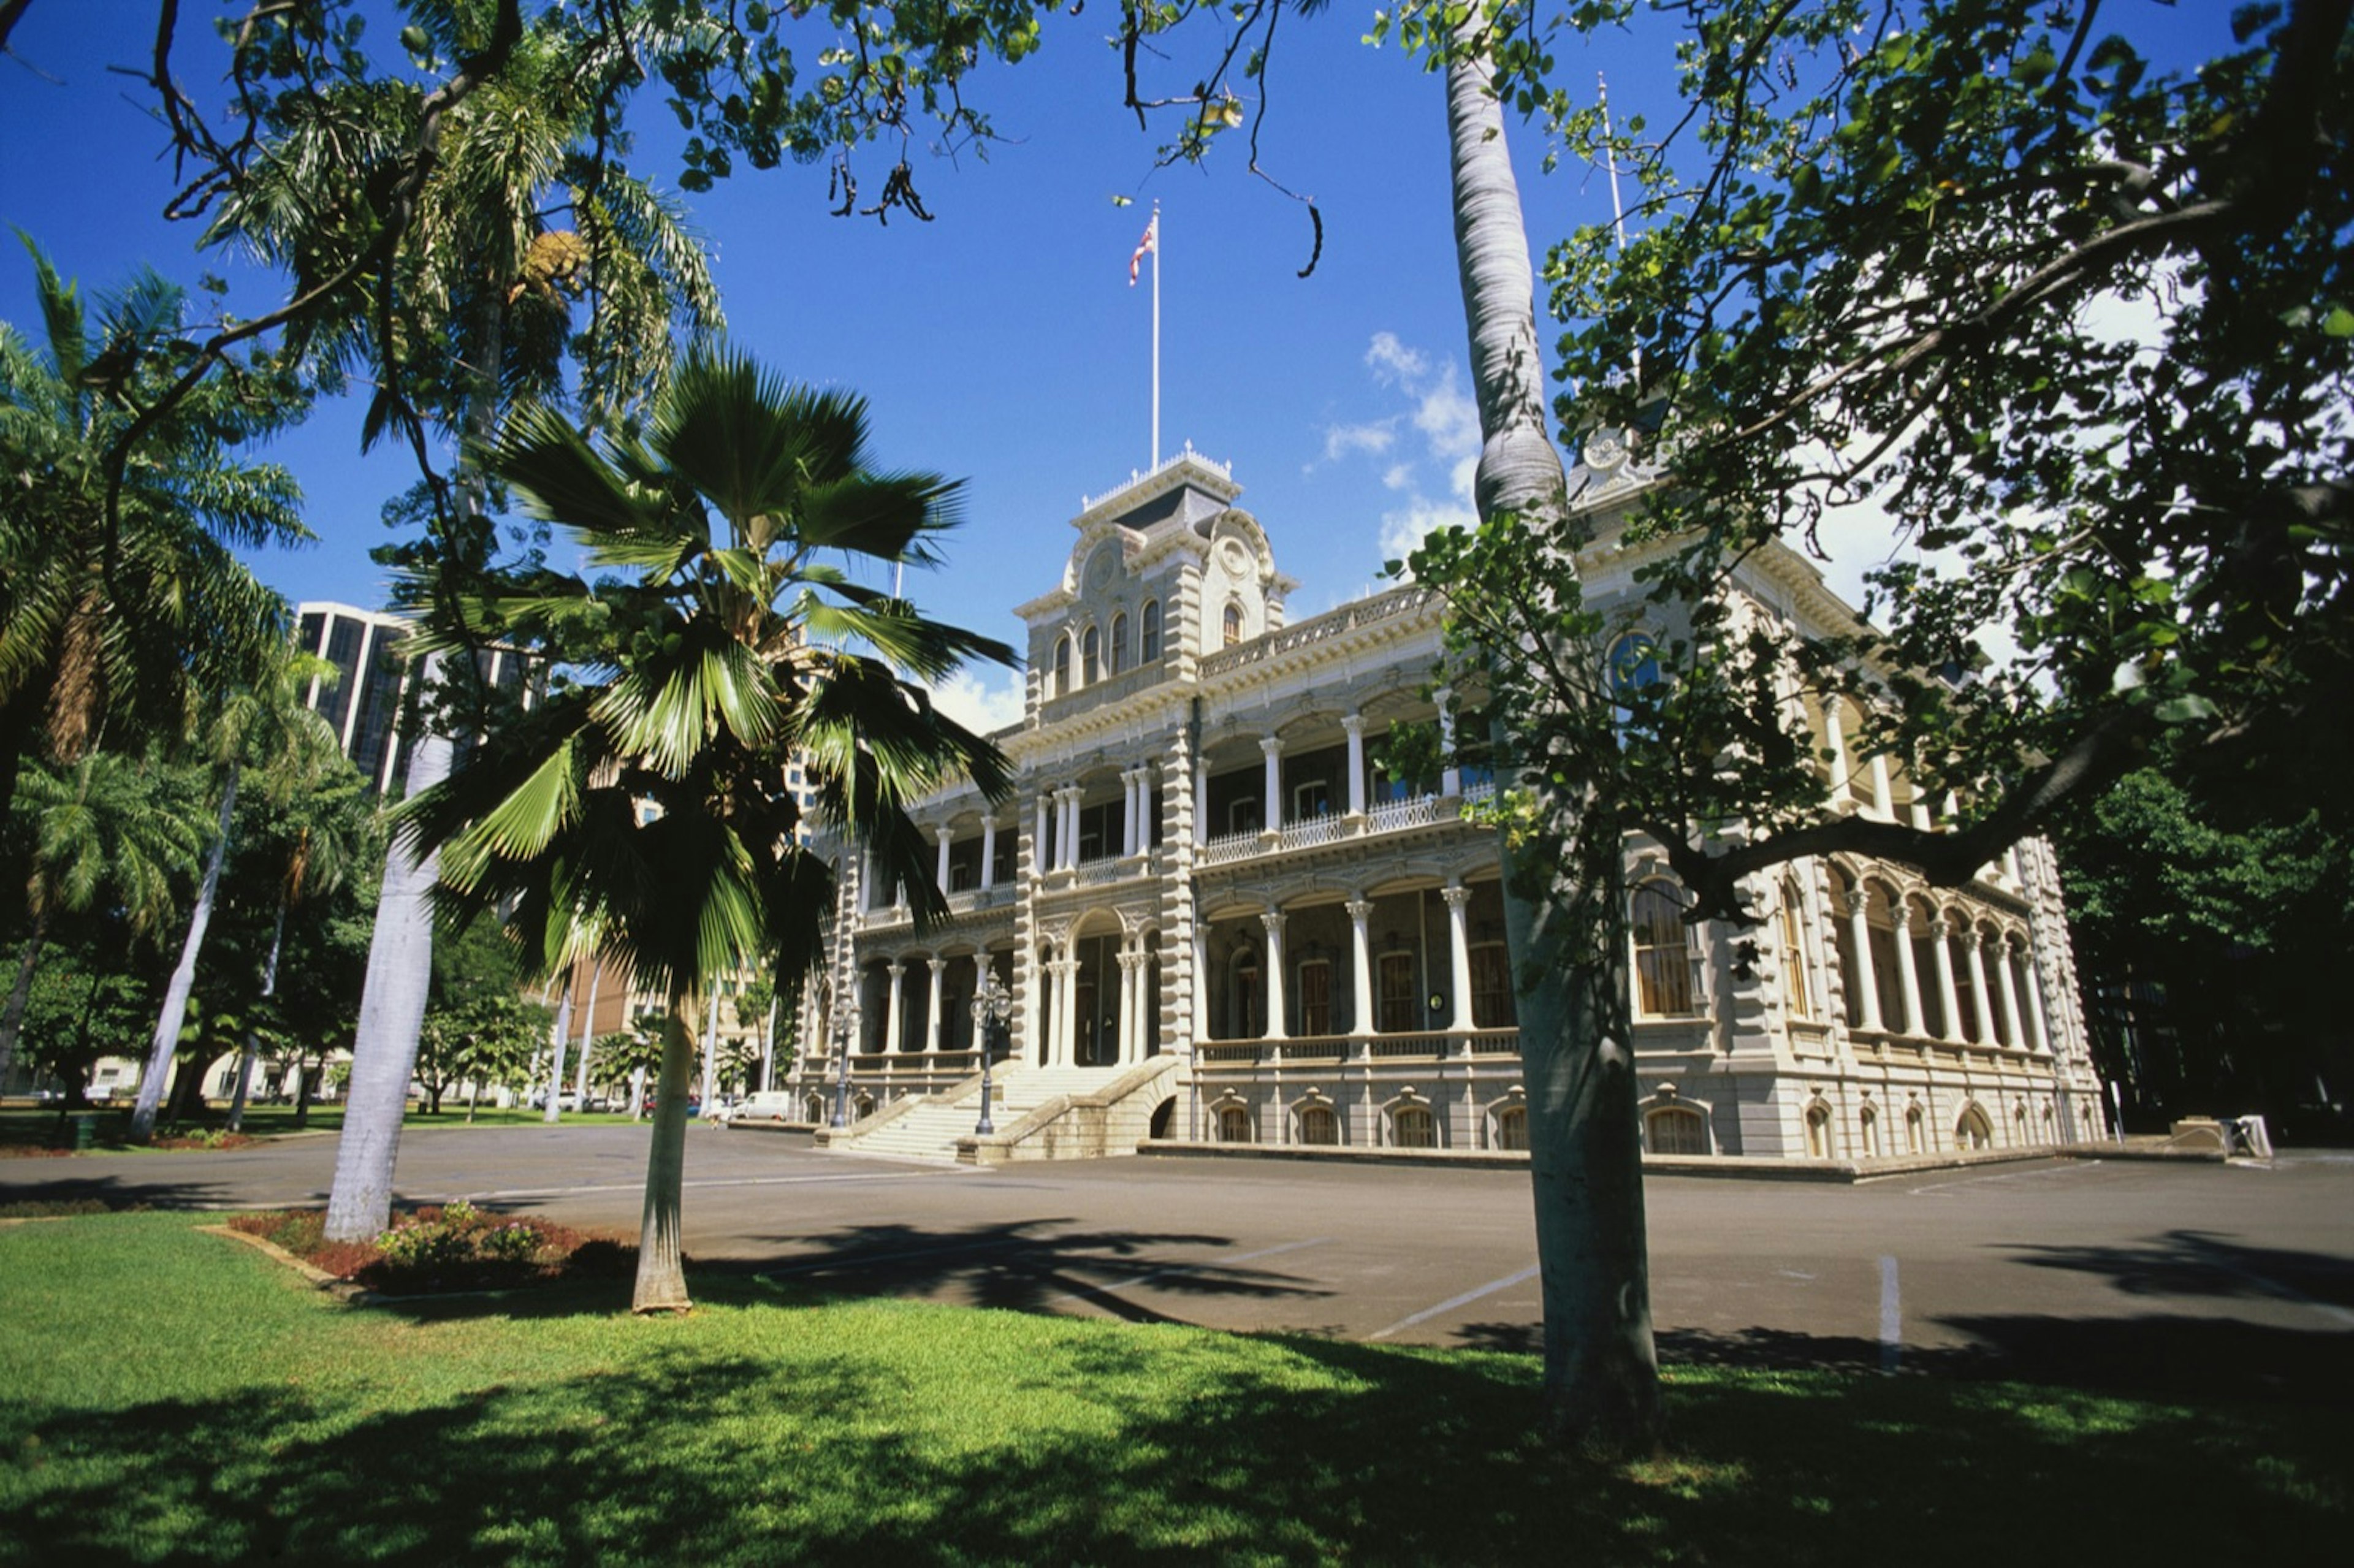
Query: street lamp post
[842,1075]
[992,1005]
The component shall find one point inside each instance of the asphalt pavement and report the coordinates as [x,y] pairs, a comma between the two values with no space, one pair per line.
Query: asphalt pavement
[2220,1279]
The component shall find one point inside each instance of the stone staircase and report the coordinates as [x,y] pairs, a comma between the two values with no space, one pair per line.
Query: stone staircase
[1040,1113]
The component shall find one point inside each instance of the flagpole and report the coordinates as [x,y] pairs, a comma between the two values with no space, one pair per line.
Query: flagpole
[1156,335]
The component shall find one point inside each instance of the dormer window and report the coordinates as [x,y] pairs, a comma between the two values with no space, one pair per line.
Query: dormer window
[1234,621]
[1062,667]
[1118,644]
[1151,651]
[1090,657]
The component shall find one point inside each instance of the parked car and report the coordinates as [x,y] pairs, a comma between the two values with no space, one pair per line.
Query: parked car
[767,1104]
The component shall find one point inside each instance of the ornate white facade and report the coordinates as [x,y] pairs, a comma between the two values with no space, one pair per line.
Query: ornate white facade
[1221,921]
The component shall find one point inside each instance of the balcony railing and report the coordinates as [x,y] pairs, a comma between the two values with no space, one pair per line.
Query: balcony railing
[1313,831]
[1425,1047]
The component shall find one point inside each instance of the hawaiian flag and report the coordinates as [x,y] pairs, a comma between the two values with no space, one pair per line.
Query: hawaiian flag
[1150,242]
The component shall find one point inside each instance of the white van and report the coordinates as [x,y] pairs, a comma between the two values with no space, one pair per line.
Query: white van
[768,1105]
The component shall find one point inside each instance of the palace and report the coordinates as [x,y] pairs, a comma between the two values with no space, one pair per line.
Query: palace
[1221,919]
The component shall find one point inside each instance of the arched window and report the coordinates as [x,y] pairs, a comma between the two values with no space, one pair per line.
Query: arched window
[1411,1127]
[1234,1124]
[1512,1128]
[1972,1130]
[1232,621]
[1818,1131]
[1062,685]
[1867,1124]
[1247,995]
[1151,650]
[1916,1132]
[1796,986]
[1663,978]
[816,1108]
[1090,656]
[1676,1130]
[864,1107]
[1319,1125]
[1118,644]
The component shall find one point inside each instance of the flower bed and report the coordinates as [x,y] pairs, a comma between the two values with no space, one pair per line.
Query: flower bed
[450,1247]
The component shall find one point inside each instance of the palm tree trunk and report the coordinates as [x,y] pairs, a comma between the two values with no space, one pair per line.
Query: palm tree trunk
[711,1049]
[245,1054]
[1601,1371]
[20,995]
[392,1008]
[166,1044]
[662,1271]
[556,1042]
[588,1035]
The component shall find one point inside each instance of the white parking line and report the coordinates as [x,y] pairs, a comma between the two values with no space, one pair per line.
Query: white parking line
[1892,1316]
[2071,1168]
[1450,1304]
[1207,1268]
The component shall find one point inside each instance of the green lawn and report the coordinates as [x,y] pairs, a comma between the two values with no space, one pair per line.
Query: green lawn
[172,1396]
[23,1127]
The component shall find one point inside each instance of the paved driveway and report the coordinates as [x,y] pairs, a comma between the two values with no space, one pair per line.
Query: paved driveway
[2223,1279]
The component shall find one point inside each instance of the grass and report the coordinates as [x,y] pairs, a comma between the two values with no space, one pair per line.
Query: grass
[24,1129]
[238,1414]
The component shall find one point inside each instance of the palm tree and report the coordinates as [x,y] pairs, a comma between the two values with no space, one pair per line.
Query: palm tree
[113,833]
[127,626]
[487,284]
[268,728]
[641,812]
[1562,908]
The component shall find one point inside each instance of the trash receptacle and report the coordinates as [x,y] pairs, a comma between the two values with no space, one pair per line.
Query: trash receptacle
[85,1130]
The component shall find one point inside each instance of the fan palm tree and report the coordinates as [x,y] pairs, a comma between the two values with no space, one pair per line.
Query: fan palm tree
[114,831]
[641,812]
[134,625]
[293,748]
[522,223]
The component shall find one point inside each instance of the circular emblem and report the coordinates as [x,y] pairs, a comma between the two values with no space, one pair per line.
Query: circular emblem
[1605,451]
[1234,558]
[1099,569]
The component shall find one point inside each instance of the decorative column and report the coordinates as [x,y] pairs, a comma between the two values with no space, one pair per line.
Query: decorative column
[1041,861]
[1916,1021]
[1859,924]
[1069,970]
[1200,984]
[1050,1016]
[1459,936]
[1971,951]
[1202,799]
[1070,857]
[1355,724]
[1273,920]
[2042,1039]
[1883,797]
[939,973]
[988,854]
[2009,997]
[1128,814]
[1273,747]
[1450,777]
[1835,735]
[1128,1010]
[941,861]
[891,1014]
[1943,952]
[1360,966]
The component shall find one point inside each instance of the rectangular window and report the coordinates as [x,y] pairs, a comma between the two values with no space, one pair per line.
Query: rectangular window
[1396,1006]
[1491,987]
[1313,799]
[1316,997]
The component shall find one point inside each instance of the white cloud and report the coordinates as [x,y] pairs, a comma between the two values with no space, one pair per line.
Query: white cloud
[968,697]
[1449,418]
[1397,476]
[1394,362]
[1403,530]
[1374,437]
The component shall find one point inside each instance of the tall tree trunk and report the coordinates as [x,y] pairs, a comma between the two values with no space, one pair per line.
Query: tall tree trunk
[246,1053]
[1601,1373]
[662,1271]
[166,1042]
[20,995]
[392,1008]
[557,1038]
[588,1035]
[711,1049]
[637,1093]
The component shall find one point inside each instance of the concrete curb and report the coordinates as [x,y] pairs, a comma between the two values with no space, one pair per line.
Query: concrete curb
[1718,1166]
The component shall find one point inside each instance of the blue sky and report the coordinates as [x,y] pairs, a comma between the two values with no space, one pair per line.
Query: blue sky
[1001,342]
